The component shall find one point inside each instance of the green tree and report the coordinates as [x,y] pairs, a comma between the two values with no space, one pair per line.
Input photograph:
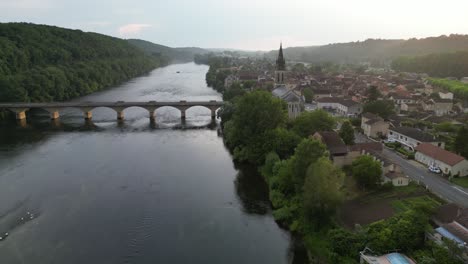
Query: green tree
[308,123]
[234,91]
[346,243]
[281,141]
[308,95]
[383,108]
[347,133]
[306,153]
[373,94]
[367,172]
[322,189]
[254,115]
[461,142]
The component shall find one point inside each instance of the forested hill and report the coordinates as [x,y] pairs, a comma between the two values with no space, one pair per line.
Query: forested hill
[377,51]
[44,63]
[452,64]
[172,54]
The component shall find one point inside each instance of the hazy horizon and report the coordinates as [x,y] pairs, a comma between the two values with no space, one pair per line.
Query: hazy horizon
[245,25]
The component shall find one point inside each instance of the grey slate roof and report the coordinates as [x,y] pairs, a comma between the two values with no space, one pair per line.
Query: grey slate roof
[414,133]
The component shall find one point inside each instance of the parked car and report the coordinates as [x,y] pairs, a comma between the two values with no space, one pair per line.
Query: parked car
[389,140]
[434,169]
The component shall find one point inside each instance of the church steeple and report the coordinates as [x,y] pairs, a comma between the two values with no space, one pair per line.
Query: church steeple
[280,62]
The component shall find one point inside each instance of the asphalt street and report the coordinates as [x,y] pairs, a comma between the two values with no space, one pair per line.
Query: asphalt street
[434,182]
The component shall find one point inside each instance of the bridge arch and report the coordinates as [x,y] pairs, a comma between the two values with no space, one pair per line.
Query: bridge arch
[168,112]
[137,111]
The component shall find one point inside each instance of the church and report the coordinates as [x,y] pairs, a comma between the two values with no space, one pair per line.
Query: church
[295,101]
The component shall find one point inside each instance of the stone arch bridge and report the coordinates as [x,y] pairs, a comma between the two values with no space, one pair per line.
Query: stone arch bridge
[86,107]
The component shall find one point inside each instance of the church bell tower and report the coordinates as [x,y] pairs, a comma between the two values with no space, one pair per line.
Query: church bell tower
[280,72]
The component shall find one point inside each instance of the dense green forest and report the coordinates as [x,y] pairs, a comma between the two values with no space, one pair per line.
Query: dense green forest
[171,54]
[377,51]
[453,64]
[45,63]
[458,88]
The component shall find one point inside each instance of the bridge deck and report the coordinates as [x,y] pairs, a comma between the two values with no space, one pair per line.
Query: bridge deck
[110,104]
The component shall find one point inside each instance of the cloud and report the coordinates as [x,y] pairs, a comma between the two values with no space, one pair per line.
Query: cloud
[132,29]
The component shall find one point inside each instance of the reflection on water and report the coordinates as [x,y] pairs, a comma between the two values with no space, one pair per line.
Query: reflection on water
[136,191]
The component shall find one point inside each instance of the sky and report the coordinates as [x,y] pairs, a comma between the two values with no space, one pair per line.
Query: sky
[247,24]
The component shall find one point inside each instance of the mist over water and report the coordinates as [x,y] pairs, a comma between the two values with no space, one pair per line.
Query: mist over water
[133,191]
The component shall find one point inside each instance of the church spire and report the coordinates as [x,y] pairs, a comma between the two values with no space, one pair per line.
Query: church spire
[280,62]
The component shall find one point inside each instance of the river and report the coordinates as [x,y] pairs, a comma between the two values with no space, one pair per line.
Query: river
[134,191]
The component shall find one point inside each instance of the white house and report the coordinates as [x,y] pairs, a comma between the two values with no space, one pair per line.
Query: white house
[412,137]
[447,161]
[343,107]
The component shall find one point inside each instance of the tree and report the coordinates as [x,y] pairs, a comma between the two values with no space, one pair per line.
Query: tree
[383,108]
[367,172]
[373,94]
[281,141]
[322,189]
[346,243]
[347,133]
[308,95]
[232,92]
[308,123]
[461,142]
[306,153]
[254,115]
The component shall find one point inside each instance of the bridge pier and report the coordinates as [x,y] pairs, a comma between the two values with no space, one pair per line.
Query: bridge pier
[19,112]
[182,114]
[152,115]
[120,115]
[213,114]
[88,115]
[54,115]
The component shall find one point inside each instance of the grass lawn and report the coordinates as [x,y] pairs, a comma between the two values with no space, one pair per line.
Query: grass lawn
[379,205]
[462,181]
[406,204]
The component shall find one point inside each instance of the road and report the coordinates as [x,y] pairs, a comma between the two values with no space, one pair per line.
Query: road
[435,182]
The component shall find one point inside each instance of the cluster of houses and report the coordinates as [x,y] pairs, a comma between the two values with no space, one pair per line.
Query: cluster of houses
[343,155]
[450,223]
[344,95]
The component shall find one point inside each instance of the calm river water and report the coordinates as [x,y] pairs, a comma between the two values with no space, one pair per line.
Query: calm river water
[133,192]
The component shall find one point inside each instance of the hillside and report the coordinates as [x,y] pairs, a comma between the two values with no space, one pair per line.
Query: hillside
[451,64]
[45,63]
[376,51]
[172,54]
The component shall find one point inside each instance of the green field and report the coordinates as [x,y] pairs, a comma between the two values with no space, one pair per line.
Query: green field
[408,203]
[463,181]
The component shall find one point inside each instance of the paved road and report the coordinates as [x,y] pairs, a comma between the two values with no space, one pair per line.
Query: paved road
[435,183]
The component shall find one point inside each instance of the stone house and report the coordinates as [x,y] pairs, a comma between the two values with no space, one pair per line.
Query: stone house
[447,161]
[373,125]
[336,147]
[409,107]
[439,106]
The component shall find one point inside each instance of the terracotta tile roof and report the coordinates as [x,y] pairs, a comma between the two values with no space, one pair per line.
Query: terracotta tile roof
[437,153]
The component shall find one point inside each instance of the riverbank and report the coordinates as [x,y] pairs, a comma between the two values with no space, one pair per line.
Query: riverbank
[307,191]
[140,194]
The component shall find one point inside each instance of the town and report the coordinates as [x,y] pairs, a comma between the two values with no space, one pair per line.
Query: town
[412,125]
